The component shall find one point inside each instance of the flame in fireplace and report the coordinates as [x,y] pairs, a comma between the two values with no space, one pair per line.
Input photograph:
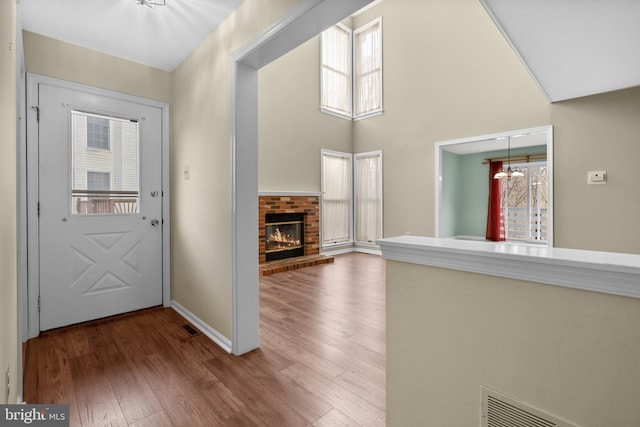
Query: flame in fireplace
[280,237]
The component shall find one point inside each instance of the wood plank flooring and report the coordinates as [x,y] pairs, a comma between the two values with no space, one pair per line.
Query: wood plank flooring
[321,360]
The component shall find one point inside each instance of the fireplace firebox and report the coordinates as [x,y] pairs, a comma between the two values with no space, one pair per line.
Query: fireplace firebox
[284,235]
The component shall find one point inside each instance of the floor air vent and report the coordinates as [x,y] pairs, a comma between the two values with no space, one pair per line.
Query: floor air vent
[499,410]
[190,330]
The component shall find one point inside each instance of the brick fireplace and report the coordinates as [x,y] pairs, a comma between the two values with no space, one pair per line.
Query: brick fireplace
[309,206]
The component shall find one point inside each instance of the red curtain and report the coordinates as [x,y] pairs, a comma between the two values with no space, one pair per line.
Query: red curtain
[495,220]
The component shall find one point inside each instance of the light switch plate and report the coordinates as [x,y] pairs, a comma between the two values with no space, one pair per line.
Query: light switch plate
[597,177]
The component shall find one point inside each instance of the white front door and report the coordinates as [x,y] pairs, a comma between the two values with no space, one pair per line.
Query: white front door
[100,206]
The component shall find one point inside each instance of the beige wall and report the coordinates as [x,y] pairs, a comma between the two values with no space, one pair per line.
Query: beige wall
[65,61]
[8,195]
[570,353]
[292,130]
[597,133]
[457,78]
[448,73]
[201,138]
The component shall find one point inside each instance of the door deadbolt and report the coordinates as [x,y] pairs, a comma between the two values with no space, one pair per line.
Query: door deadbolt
[155,222]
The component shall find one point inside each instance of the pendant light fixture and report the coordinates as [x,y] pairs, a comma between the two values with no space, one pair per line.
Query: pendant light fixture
[510,173]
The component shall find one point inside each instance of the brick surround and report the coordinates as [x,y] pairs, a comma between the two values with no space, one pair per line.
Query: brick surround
[291,204]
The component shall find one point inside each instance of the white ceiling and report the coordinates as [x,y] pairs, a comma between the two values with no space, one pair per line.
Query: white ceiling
[160,37]
[573,48]
[495,144]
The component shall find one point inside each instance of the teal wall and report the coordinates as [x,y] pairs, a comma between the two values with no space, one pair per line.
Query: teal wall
[465,191]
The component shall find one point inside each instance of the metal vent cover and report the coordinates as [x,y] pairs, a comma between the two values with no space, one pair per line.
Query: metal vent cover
[499,410]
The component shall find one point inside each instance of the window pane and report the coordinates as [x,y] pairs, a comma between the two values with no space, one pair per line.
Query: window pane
[336,69]
[98,181]
[104,180]
[336,200]
[368,68]
[368,197]
[97,132]
[525,203]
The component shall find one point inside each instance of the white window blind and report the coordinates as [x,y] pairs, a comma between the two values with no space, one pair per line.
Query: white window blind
[368,196]
[336,198]
[368,68]
[336,70]
[351,70]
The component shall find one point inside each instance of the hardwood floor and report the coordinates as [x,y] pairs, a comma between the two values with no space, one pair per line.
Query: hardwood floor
[321,360]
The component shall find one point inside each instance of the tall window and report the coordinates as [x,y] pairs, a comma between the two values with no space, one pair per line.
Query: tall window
[352,197]
[525,204]
[98,132]
[336,199]
[336,70]
[367,66]
[368,196]
[351,70]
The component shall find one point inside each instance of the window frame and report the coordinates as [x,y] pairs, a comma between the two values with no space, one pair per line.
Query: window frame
[348,156]
[377,154]
[505,203]
[108,127]
[329,109]
[103,175]
[352,114]
[356,77]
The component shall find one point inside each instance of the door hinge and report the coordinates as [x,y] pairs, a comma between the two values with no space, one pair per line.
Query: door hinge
[39,304]
[38,209]
[37,108]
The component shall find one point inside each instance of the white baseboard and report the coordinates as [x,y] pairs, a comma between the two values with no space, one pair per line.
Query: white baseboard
[337,250]
[215,336]
[374,250]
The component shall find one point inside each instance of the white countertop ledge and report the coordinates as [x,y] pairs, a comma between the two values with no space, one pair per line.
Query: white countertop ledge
[606,272]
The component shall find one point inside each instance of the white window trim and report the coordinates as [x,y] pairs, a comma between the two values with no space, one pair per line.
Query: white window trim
[352,116]
[524,165]
[352,219]
[376,153]
[329,110]
[377,112]
[323,153]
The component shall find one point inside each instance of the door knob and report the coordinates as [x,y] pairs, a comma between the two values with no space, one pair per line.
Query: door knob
[155,222]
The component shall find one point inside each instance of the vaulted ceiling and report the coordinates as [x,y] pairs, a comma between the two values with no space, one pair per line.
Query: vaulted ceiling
[572,48]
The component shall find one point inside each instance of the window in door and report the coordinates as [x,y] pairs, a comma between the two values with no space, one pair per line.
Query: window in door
[105,165]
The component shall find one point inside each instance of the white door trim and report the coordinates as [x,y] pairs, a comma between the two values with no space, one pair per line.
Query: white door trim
[31,176]
[306,21]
